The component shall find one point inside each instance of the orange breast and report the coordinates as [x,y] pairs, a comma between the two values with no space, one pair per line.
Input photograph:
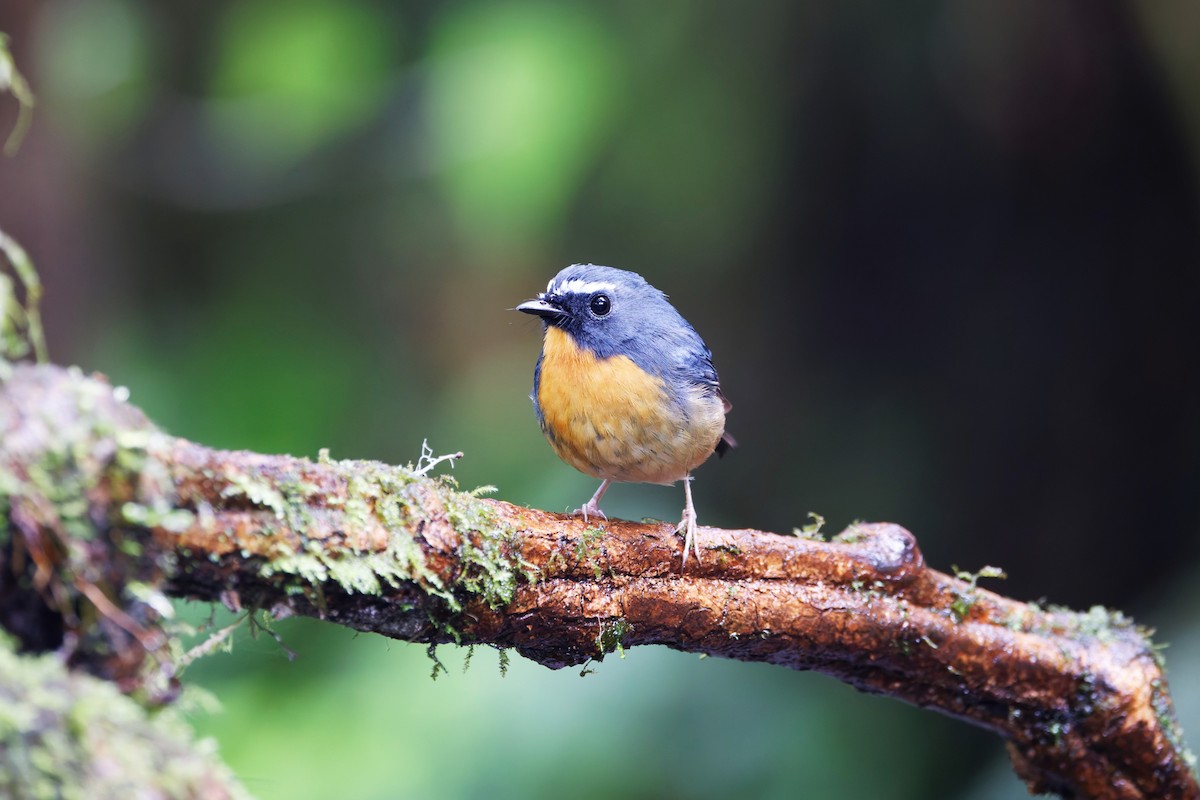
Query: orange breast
[609,419]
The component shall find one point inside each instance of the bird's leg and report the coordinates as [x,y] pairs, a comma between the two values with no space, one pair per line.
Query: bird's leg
[592,506]
[687,525]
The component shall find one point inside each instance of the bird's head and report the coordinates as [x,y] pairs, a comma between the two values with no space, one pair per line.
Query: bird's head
[607,310]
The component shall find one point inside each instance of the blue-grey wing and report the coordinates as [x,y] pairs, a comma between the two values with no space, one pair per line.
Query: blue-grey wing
[704,375]
[537,381]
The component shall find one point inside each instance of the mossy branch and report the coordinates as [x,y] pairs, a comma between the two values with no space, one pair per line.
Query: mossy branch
[91,494]
[83,738]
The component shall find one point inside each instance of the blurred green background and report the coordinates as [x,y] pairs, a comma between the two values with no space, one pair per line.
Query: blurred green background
[947,255]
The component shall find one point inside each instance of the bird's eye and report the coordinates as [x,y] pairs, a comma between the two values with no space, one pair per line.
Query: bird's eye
[600,305]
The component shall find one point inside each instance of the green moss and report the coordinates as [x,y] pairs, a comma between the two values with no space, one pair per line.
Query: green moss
[855,532]
[392,498]
[376,494]
[964,601]
[1102,623]
[961,606]
[308,567]
[359,573]
[256,490]
[438,666]
[381,495]
[813,529]
[504,660]
[98,447]
[175,520]
[588,550]
[1097,622]
[555,563]
[68,735]
[490,551]
[612,636]
[91,448]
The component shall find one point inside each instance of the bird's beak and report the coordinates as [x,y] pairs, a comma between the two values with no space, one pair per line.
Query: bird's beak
[543,308]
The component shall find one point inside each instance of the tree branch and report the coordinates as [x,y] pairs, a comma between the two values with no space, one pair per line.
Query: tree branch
[1081,698]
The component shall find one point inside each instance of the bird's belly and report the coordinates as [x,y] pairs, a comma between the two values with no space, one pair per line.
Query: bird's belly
[609,419]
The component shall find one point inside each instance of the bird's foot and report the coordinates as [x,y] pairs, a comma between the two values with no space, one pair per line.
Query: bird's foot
[687,526]
[590,509]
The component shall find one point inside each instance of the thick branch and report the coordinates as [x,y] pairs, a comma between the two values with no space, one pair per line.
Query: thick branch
[1081,698]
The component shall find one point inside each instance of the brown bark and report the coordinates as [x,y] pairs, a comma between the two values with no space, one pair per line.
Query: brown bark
[1081,698]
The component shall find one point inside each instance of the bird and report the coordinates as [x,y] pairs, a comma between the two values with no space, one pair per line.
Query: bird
[624,388]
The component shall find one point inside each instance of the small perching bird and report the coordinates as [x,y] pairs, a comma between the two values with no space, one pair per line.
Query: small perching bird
[625,389]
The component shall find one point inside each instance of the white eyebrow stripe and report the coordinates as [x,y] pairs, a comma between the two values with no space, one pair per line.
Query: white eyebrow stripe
[580,286]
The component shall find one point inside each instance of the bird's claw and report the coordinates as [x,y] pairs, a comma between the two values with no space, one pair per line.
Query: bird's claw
[687,526]
[590,508]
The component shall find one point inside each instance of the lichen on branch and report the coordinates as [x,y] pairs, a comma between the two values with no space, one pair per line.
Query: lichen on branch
[1081,698]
